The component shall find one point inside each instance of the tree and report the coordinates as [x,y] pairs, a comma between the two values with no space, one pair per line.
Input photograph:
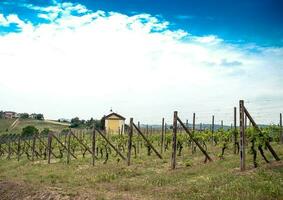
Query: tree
[75,122]
[102,123]
[1,114]
[24,115]
[39,117]
[29,131]
[45,131]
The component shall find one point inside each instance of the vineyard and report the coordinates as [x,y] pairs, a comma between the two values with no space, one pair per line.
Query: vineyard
[170,148]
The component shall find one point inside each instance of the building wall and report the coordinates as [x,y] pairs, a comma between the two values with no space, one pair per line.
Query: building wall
[114,125]
[9,115]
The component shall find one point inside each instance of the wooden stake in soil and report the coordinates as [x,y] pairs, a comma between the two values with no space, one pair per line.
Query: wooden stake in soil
[138,142]
[194,128]
[281,129]
[93,146]
[235,129]
[194,122]
[9,149]
[195,141]
[267,144]
[19,148]
[162,136]
[246,121]
[113,147]
[68,147]
[130,142]
[212,129]
[147,141]
[49,146]
[174,141]
[242,136]
[33,147]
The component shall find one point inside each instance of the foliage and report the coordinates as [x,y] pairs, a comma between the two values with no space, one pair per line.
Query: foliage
[39,117]
[29,131]
[24,115]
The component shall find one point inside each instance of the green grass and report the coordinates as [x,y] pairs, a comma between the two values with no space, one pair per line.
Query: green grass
[5,124]
[39,124]
[151,178]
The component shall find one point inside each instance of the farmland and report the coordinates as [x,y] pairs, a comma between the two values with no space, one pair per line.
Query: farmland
[147,177]
[5,124]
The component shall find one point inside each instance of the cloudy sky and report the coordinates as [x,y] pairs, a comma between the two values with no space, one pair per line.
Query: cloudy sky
[143,58]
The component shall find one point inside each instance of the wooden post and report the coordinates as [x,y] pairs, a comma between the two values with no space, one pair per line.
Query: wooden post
[147,130]
[68,147]
[246,121]
[281,130]
[33,147]
[147,141]
[138,143]
[212,129]
[174,141]
[194,122]
[187,123]
[194,140]
[200,126]
[194,128]
[235,129]
[130,142]
[9,148]
[162,136]
[222,124]
[242,136]
[113,147]
[49,146]
[19,148]
[93,147]
[267,144]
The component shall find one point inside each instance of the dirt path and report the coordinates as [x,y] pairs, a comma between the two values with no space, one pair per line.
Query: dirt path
[14,124]
[54,122]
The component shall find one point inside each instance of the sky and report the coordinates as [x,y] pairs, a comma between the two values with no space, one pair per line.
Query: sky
[143,59]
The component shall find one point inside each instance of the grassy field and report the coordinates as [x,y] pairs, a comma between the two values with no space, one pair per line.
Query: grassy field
[5,124]
[39,124]
[147,178]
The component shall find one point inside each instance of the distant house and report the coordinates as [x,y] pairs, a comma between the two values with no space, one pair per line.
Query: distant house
[9,114]
[64,120]
[33,116]
[114,123]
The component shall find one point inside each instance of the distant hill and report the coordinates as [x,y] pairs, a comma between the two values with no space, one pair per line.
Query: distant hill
[10,126]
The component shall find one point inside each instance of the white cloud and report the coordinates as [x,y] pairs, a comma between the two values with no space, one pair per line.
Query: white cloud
[14,19]
[84,64]
[210,39]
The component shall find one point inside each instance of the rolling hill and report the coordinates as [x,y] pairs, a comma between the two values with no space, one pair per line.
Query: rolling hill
[13,126]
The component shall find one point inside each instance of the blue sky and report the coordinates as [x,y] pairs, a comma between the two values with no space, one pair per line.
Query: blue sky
[143,59]
[250,21]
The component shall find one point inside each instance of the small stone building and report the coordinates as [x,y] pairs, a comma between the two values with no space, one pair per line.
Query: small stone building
[114,123]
